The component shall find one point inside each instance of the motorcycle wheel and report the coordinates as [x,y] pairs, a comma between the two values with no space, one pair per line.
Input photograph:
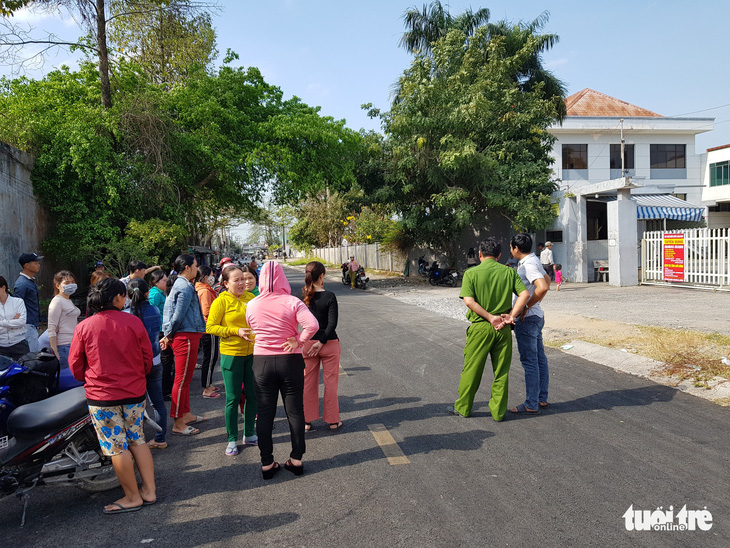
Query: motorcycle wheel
[432,280]
[345,281]
[451,281]
[103,482]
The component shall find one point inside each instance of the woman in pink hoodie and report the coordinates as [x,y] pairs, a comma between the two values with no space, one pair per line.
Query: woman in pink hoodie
[278,366]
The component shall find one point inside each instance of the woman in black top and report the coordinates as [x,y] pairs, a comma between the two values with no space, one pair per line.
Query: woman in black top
[324,347]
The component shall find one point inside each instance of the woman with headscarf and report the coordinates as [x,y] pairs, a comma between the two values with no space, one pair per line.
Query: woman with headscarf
[278,366]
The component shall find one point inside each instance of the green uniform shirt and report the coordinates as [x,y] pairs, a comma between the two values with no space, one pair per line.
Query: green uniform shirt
[491,284]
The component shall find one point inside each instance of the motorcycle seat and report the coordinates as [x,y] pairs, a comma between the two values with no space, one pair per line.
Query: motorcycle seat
[45,416]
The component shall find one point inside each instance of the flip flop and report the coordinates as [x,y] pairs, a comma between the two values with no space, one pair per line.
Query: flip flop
[216,388]
[198,419]
[335,426]
[521,409]
[212,396]
[189,431]
[122,509]
[157,445]
[543,404]
[308,427]
[148,502]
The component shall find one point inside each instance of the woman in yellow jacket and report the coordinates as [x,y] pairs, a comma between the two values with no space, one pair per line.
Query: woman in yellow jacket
[227,320]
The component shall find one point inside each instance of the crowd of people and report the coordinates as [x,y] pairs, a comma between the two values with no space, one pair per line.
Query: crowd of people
[140,341]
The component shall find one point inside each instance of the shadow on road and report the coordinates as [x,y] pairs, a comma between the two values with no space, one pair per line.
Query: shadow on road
[609,399]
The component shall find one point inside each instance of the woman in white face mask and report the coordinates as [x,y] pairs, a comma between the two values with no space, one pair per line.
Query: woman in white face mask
[209,343]
[63,316]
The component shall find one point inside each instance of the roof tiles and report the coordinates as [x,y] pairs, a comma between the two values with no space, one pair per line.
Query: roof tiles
[588,102]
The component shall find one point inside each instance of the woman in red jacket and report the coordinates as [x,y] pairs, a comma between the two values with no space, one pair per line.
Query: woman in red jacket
[111,354]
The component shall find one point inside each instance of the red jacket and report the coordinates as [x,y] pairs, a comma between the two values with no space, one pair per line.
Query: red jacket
[111,354]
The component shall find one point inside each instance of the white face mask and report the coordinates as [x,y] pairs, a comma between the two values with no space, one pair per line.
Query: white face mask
[69,289]
[211,280]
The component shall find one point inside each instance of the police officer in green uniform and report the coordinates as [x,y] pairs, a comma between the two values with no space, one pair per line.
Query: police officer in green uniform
[487,290]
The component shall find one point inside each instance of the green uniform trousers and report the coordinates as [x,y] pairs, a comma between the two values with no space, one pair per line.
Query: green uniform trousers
[237,371]
[483,340]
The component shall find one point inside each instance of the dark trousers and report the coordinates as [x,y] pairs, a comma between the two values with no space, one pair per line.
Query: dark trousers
[15,351]
[550,271]
[168,370]
[209,344]
[273,375]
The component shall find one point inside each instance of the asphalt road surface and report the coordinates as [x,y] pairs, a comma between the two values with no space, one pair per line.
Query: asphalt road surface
[565,478]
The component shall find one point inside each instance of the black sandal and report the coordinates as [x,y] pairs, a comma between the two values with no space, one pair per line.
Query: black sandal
[271,472]
[335,426]
[308,427]
[296,470]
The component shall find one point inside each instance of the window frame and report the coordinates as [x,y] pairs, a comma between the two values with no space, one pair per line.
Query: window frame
[583,148]
[668,162]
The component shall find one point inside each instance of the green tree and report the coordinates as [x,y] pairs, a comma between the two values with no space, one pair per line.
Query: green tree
[165,43]
[467,140]
[433,22]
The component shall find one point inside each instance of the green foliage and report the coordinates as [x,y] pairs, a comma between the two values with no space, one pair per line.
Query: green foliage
[367,226]
[166,41]
[161,241]
[8,7]
[467,140]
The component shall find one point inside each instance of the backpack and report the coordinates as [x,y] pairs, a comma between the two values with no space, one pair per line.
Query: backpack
[38,381]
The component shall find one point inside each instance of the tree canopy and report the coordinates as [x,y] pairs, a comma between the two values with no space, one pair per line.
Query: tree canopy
[467,138]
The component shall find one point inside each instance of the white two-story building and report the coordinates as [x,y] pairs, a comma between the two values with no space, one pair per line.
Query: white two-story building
[603,210]
[716,188]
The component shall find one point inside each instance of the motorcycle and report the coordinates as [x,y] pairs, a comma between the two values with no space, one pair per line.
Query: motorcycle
[423,267]
[443,276]
[53,442]
[361,279]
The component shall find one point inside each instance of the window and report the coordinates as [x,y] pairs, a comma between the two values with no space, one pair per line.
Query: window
[554,236]
[575,156]
[628,157]
[667,156]
[720,173]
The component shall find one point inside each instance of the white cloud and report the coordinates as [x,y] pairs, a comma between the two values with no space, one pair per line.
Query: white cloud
[553,63]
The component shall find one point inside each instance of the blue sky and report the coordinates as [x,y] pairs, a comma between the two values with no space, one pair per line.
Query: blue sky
[662,56]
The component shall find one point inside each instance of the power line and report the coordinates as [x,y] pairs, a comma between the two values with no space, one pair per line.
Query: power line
[696,111]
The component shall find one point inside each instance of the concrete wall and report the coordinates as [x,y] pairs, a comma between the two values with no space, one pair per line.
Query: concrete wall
[22,221]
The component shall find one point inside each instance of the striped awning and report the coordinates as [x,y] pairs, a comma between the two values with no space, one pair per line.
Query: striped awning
[661,206]
[666,206]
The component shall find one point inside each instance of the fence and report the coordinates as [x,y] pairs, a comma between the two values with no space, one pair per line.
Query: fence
[368,255]
[706,257]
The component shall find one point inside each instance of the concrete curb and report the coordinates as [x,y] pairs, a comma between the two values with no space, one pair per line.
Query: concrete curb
[646,368]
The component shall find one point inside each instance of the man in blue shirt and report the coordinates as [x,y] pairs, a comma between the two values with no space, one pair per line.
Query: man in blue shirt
[26,288]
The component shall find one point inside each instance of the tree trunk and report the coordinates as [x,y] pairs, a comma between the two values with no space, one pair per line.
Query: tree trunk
[106,92]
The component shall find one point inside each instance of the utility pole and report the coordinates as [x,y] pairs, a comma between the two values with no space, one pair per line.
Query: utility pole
[623,171]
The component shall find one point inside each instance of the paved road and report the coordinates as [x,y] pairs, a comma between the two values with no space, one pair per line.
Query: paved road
[562,479]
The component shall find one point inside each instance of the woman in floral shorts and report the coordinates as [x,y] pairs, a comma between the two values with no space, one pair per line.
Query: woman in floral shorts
[111,354]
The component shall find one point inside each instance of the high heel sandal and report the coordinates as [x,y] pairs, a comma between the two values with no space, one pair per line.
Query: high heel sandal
[296,470]
[271,472]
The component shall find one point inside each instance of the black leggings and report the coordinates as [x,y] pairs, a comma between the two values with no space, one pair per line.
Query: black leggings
[272,375]
[168,370]
[209,344]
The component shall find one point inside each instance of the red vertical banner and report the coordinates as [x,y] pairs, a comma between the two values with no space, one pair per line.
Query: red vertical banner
[673,257]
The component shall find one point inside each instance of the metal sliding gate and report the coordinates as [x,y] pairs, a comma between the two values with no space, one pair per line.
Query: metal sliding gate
[704,258]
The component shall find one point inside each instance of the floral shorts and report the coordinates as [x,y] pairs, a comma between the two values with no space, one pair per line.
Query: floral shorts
[118,427]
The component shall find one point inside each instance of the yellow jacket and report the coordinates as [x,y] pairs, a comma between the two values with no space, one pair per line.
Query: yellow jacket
[228,314]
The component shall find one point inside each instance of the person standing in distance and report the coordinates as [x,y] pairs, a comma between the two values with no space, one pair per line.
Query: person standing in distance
[487,290]
[353,266]
[26,288]
[529,324]
[546,258]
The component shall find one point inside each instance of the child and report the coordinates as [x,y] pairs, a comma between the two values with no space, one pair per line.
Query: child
[559,275]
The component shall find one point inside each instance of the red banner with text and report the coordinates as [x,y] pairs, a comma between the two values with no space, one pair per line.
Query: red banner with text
[673,257]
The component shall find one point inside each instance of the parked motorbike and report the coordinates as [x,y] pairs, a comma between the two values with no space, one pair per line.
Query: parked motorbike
[53,442]
[361,279]
[423,267]
[443,276]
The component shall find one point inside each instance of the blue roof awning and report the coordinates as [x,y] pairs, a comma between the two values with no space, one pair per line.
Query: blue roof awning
[662,206]
[666,206]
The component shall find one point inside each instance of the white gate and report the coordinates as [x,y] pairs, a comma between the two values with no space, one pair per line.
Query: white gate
[706,257]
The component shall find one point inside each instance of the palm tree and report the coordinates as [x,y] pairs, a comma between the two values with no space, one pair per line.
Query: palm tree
[433,22]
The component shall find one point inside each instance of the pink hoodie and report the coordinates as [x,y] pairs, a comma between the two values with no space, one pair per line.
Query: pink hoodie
[275,314]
